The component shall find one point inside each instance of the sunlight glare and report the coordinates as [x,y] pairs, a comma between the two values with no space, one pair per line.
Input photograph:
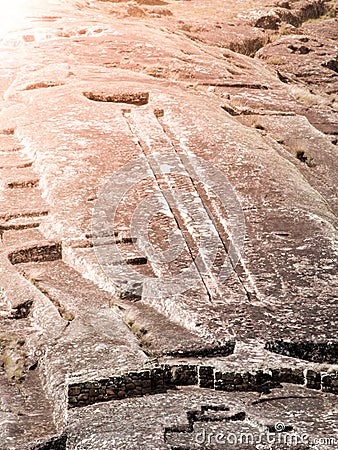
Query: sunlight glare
[11,14]
[14,12]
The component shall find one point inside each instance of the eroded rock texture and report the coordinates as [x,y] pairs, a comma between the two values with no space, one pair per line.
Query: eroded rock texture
[168,224]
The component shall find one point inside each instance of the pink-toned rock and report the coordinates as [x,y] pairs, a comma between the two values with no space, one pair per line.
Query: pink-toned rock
[168,214]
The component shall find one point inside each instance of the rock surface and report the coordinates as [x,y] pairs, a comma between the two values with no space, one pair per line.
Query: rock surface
[168,224]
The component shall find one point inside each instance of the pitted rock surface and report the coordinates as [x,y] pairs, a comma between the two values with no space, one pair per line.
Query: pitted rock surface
[241,94]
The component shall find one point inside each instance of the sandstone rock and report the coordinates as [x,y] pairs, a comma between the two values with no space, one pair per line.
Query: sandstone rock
[209,295]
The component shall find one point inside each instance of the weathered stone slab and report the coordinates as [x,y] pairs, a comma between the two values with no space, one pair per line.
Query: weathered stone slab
[89,87]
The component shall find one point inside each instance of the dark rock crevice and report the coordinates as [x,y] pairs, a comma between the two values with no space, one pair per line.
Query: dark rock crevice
[130,98]
[38,253]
